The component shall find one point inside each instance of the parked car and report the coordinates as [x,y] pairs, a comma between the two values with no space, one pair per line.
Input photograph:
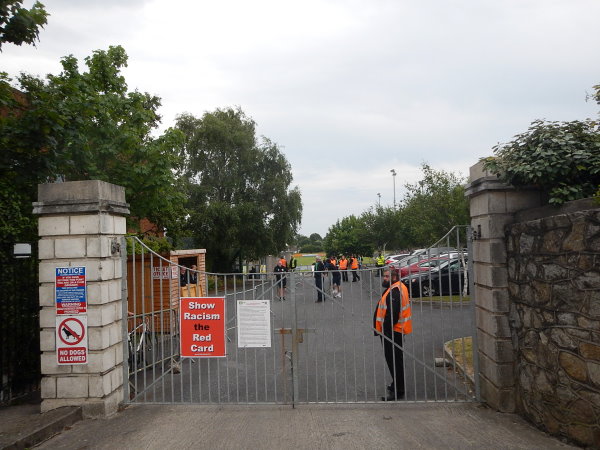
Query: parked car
[425,254]
[446,279]
[422,266]
[395,259]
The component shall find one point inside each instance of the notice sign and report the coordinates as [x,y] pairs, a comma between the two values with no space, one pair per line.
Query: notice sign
[202,322]
[164,272]
[254,323]
[71,340]
[70,290]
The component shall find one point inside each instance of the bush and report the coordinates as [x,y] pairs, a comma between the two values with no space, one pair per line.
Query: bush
[157,245]
[561,158]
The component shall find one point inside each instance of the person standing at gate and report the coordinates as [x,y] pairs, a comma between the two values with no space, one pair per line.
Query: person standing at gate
[344,268]
[318,273]
[379,263]
[354,267]
[293,263]
[280,279]
[336,277]
[392,320]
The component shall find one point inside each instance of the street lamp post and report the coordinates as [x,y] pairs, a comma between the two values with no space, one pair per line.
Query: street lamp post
[379,195]
[394,178]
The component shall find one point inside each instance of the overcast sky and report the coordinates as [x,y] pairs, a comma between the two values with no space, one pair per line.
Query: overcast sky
[348,89]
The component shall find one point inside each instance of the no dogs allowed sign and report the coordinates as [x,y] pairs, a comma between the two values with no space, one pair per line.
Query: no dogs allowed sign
[71,340]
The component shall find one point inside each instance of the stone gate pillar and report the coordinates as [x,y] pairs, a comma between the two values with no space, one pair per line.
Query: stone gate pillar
[81,224]
[493,204]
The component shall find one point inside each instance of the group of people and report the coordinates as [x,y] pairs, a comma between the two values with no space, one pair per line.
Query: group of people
[339,272]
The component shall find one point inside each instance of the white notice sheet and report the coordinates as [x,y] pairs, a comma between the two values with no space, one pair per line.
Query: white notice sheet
[254,323]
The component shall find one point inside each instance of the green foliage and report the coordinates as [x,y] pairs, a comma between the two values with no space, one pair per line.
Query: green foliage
[19,25]
[311,248]
[309,244]
[348,236]
[87,125]
[431,207]
[428,211]
[240,201]
[383,226]
[156,244]
[561,158]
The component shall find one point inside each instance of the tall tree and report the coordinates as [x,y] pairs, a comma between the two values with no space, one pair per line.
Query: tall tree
[384,229]
[432,206]
[87,125]
[240,200]
[348,236]
[20,25]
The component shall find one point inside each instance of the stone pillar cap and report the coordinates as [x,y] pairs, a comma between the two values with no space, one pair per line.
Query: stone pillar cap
[81,197]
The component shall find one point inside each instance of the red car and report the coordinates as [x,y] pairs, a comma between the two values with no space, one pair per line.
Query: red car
[424,265]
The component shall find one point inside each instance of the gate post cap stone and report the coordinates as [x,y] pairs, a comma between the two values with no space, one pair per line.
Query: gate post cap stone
[89,196]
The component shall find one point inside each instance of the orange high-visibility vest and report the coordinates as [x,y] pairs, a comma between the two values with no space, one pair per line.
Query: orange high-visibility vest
[283,262]
[404,324]
[333,261]
[343,264]
[354,264]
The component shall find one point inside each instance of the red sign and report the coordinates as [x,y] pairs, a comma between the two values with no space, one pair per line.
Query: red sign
[202,322]
[71,340]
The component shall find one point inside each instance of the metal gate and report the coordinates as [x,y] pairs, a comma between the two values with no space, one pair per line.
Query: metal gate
[19,324]
[321,352]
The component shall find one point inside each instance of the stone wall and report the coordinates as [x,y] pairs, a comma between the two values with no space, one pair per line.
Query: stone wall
[554,290]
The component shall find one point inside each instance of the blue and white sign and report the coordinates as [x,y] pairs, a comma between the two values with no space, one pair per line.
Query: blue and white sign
[70,291]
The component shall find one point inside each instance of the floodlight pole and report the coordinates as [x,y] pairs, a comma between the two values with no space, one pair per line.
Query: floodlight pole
[394,179]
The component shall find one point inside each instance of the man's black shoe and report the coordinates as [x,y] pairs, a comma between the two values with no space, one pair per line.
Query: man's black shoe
[392,398]
[318,301]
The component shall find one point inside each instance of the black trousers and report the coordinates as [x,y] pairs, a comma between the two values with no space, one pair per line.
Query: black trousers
[395,361]
[319,285]
[355,276]
[345,274]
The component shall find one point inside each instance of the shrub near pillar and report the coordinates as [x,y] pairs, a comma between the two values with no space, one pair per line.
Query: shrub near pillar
[78,223]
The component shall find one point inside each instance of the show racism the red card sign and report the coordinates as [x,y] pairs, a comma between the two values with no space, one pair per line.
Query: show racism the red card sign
[70,291]
[202,322]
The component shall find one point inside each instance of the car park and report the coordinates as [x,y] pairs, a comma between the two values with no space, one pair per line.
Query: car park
[447,279]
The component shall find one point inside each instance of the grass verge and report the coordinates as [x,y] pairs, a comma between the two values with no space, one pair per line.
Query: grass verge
[461,350]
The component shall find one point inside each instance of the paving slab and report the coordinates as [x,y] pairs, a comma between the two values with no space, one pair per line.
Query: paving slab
[401,426]
[23,426]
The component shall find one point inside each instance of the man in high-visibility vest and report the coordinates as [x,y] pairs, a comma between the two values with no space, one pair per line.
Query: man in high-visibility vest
[392,320]
[379,262]
[354,267]
[344,268]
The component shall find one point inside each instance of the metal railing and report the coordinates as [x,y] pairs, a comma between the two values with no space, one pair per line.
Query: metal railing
[19,324]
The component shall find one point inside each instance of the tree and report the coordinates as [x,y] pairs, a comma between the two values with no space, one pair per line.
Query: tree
[432,206]
[19,25]
[384,229]
[348,236]
[86,125]
[240,201]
